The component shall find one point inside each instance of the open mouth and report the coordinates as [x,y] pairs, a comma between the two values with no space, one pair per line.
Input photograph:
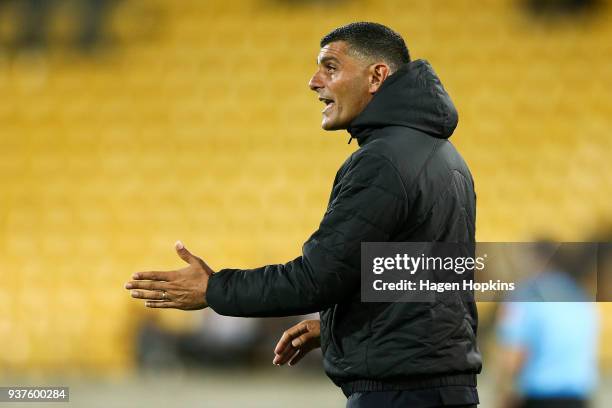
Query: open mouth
[329,103]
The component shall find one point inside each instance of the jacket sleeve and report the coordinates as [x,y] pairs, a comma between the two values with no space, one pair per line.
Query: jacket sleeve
[370,202]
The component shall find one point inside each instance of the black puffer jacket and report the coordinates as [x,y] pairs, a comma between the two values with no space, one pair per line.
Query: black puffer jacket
[406,182]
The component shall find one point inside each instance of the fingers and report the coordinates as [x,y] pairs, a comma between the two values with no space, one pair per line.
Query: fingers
[292,339]
[282,358]
[149,294]
[154,276]
[152,290]
[148,285]
[293,354]
[185,254]
[298,356]
[295,350]
[296,342]
[162,305]
[302,340]
[288,337]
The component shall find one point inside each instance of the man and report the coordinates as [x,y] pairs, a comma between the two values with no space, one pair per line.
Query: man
[548,331]
[406,182]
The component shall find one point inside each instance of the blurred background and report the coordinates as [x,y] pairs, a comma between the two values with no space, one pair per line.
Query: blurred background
[126,125]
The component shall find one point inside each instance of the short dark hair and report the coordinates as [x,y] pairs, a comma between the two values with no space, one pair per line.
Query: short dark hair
[372,40]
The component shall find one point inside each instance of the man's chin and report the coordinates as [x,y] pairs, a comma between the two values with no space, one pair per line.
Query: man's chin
[332,125]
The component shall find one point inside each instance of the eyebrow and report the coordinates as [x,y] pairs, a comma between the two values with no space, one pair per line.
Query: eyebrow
[328,59]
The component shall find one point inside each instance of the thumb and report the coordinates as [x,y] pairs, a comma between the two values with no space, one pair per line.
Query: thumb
[184,253]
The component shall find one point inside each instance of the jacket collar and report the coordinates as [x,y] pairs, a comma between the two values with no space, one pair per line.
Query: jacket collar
[412,97]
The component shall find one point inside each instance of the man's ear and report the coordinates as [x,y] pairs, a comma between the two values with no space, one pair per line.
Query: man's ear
[378,74]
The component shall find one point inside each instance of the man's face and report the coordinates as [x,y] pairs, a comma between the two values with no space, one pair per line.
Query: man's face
[342,81]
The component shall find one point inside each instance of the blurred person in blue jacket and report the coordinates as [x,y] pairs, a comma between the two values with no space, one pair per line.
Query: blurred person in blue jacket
[549,337]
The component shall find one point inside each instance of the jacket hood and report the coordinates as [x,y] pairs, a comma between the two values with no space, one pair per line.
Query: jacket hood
[413,97]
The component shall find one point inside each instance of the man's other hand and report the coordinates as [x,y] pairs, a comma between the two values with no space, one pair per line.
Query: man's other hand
[297,341]
[182,289]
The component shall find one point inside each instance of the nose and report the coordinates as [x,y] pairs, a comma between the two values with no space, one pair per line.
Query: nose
[315,82]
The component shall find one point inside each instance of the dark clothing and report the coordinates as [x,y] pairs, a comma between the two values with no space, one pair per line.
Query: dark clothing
[555,403]
[406,182]
[460,397]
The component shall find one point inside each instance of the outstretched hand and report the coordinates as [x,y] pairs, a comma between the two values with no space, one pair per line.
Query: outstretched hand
[181,289]
[297,341]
